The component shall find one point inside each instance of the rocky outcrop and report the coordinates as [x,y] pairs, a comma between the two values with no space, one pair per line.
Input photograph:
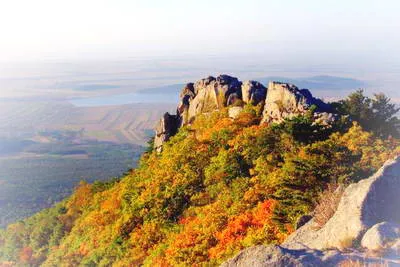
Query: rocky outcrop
[206,95]
[209,94]
[286,101]
[366,219]
[362,205]
[278,256]
[166,127]
[214,93]
[253,92]
[381,236]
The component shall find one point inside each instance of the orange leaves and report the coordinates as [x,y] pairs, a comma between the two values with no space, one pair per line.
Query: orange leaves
[83,249]
[186,220]
[206,133]
[81,197]
[240,226]
[26,255]
[263,212]
[111,203]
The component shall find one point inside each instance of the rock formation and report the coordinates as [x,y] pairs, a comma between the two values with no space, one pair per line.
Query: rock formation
[166,127]
[206,95]
[253,92]
[380,236]
[366,219]
[286,100]
[278,256]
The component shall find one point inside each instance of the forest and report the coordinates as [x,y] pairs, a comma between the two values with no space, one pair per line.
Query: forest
[218,186]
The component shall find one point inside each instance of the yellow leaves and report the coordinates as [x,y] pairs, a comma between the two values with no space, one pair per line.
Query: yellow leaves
[373,151]
[81,198]
[204,135]
[356,138]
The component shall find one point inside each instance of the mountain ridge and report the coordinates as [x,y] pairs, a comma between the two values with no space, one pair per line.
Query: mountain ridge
[278,101]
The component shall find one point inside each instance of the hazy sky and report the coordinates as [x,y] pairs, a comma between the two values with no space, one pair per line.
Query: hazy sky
[76,29]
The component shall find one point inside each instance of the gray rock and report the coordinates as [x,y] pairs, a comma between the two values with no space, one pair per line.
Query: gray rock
[204,96]
[278,256]
[213,93]
[362,205]
[286,101]
[259,256]
[381,236]
[253,92]
[394,250]
[166,127]
[187,94]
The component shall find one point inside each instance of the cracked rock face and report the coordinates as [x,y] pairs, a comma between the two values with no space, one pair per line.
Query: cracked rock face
[253,92]
[213,93]
[207,95]
[285,100]
[165,128]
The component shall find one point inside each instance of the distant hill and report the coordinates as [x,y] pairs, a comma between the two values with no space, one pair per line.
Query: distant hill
[323,82]
[121,124]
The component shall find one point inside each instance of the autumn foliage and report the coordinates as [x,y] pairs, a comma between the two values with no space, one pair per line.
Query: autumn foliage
[220,185]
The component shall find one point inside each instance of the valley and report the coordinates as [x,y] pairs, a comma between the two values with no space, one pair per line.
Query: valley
[46,149]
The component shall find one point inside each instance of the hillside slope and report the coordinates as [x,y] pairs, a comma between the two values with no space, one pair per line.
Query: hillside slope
[220,184]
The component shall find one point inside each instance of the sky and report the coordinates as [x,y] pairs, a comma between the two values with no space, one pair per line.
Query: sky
[45,44]
[307,29]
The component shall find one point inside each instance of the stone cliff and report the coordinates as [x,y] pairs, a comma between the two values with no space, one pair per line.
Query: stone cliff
[279,100]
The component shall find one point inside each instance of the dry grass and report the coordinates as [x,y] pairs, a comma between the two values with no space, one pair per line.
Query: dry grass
[346,243]
[327,205]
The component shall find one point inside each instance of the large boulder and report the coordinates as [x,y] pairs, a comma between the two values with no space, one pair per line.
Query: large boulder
[204,96]
[187,94]
[381,236]
[362,205]
[166,127]
[212,94]
[253,92]
[285,100]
